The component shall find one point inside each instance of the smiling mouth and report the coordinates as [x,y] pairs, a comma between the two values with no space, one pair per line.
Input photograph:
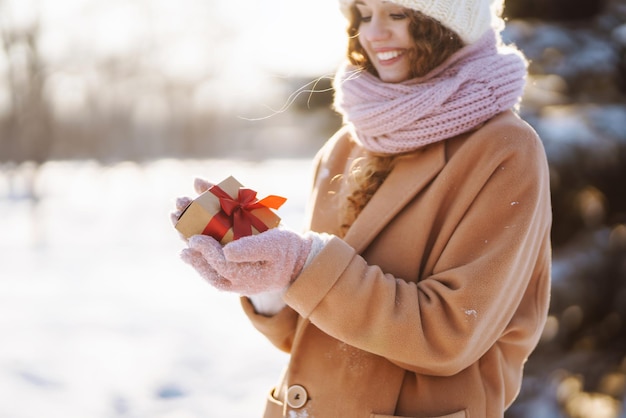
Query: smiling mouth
[388,55]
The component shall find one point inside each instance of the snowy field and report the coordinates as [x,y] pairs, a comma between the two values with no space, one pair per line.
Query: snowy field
[99,317]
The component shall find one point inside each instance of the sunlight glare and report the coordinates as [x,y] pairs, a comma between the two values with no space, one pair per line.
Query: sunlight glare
[240,49]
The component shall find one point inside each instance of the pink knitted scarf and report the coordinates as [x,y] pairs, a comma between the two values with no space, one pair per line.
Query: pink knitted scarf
[473,85]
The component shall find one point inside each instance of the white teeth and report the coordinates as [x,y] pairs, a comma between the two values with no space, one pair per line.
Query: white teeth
[387,55]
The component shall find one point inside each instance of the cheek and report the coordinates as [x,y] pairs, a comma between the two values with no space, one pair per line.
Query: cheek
[365,45]
[362,39]
[405,35]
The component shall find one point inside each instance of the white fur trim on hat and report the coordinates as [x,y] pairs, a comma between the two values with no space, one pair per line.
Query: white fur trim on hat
[470,19]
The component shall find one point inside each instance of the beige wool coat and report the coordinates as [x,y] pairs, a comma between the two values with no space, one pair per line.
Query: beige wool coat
[434,299]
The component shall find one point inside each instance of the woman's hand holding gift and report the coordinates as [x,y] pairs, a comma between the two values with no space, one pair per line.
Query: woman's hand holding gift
[254,264]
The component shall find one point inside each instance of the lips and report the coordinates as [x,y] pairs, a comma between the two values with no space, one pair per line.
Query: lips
[391,63]
[389,55]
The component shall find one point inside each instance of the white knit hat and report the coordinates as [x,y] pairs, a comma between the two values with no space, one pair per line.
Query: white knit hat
[470,19]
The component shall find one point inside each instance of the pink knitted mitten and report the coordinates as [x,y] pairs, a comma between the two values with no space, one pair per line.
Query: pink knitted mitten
[250,265]
[203,267]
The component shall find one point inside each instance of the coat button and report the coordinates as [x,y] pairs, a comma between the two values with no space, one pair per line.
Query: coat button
[297,396]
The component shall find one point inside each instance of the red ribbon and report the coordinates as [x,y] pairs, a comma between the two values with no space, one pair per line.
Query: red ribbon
[237,213]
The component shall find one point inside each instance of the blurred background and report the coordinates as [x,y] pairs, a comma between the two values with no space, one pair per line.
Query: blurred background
[108,110]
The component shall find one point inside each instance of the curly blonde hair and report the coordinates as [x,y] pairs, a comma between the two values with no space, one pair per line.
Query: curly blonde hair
[433,44]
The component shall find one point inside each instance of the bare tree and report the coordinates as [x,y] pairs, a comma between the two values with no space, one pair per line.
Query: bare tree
[25,130]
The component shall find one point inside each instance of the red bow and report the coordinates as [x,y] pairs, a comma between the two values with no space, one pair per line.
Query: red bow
[237,214]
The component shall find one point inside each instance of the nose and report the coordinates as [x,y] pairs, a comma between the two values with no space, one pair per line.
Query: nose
[375,30]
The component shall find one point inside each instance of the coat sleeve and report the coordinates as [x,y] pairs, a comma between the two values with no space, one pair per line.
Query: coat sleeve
[497,253]
[279,329]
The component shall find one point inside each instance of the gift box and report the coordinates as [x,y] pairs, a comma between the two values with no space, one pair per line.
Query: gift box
[229,211]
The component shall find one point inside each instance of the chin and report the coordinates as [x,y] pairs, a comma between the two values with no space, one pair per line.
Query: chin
[393,78]
[390,76]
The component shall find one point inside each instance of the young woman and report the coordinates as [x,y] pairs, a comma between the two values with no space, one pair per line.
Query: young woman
[423,282]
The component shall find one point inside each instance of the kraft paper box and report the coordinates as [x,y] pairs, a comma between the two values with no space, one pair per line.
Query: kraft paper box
[228,211]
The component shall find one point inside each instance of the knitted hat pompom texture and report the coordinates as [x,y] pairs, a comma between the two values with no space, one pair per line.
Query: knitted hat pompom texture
[470,19]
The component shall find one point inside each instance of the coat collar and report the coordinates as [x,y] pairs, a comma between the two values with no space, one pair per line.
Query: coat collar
[409,176]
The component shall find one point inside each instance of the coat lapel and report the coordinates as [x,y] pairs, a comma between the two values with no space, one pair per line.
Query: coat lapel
[409,176]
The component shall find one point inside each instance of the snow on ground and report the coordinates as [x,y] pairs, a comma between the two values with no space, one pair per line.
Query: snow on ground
[98,316]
